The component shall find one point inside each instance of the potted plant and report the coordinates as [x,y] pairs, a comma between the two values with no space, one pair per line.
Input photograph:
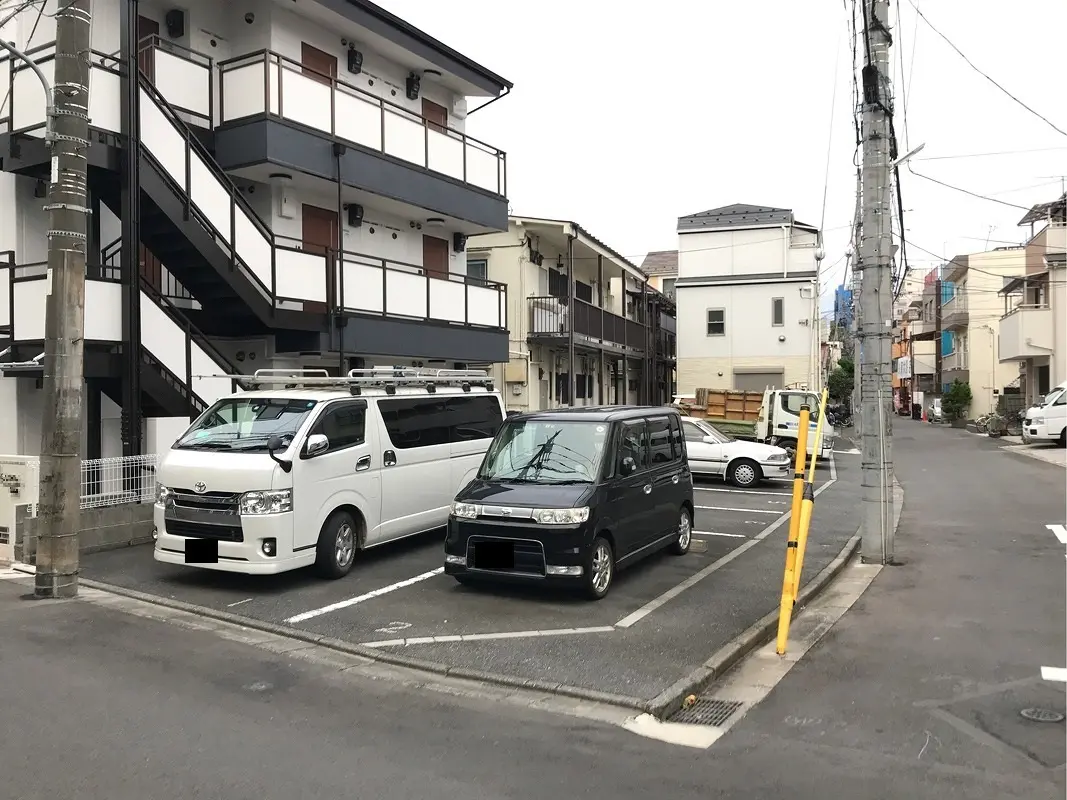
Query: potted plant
[955,403]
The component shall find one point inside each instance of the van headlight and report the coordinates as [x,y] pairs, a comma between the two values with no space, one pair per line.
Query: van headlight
[465,510]
[1037,421]
[163,494]
[258,503]
[561,516]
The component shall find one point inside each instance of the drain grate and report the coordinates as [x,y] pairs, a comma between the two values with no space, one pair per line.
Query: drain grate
[706,711]
[1041,715]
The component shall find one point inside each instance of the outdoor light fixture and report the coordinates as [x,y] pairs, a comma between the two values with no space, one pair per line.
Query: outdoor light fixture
[413,84]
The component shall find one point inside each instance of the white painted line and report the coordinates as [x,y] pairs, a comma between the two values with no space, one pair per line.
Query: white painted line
[632,619]
[1059,531]
[484,637]
[741,491]
[730,535]
[318,612]
[239,602]
[1054,674]
[738,510]
[698,736]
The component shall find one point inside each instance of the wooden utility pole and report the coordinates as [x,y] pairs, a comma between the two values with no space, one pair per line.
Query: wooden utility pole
[876,290]
[59,513]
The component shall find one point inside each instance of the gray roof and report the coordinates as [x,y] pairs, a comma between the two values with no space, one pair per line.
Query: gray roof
[739,215]
[660,262]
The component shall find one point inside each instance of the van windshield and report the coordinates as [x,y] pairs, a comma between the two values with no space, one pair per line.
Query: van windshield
[246,424]
[1052,397]
[546,451]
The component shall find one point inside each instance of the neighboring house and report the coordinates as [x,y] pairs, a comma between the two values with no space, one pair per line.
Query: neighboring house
[568,289]
[747,294]
[971,317]
[1033,330]
[661,267]
[296,189]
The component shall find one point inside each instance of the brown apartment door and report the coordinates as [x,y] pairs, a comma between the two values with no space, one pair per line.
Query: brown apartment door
[435,256]
[319,235]
[145,28]
[436,116]
[317,64]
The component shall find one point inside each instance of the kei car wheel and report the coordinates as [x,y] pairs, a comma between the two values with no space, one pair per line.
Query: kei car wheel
[745,473]
[600,569]
[680,546]
[337,546]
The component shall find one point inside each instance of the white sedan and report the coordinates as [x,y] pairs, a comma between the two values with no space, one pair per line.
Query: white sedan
[744,464]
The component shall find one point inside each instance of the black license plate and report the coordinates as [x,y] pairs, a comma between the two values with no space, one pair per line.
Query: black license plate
[494,555]
[201,551]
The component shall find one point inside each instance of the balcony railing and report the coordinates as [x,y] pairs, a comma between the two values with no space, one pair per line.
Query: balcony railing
[549,316]
[266,82]
[186,78]
[1027,332]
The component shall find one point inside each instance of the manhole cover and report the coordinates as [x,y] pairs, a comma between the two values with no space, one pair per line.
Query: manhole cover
[707,712]
[1041,715]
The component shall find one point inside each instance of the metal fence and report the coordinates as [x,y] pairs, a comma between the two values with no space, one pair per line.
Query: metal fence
[104,481]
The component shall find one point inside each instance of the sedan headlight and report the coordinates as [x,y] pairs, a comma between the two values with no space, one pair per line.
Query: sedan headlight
[561,516]
[1037,421]
[465,510]
[258,503]
[778,458]
[163,494]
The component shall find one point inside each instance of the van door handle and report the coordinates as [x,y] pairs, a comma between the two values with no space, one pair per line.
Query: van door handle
[389,458]
[363,464]
[648,488]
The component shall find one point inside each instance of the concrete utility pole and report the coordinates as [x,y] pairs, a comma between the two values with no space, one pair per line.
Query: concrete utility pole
[876,291]
[61,429]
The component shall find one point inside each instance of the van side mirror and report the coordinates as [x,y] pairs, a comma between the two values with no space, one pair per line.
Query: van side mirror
[317,443]
[629,466]
[709,440]
[275,443]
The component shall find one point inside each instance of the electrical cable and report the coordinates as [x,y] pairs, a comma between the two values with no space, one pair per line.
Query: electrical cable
[993,153]
[966,191]
[983,74]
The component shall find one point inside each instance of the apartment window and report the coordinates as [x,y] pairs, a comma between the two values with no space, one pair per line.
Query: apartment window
[668,286]
[778,311]
[716,322]
[478,268]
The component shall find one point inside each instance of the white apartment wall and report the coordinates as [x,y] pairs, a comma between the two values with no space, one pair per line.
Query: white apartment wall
[22,409]
[745,252]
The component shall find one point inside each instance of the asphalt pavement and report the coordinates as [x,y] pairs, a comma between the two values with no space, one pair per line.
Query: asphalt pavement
[663,619]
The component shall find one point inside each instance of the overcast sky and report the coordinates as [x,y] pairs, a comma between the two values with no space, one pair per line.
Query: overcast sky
[626,116]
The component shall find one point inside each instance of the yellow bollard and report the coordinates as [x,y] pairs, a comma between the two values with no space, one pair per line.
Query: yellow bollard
[785,613]
[802,532]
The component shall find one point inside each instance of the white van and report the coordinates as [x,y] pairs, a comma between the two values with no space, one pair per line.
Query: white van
[1047,421]
[317,468]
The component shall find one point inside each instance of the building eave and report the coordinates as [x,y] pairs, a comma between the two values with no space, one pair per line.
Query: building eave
[571,228]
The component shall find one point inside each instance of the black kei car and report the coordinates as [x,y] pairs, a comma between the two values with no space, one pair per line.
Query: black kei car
[573,495]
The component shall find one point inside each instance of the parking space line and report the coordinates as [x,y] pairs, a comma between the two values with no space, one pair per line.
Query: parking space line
[739,510]
[740,491]
[483,637]
[318,612]
[632,619]
[730,535]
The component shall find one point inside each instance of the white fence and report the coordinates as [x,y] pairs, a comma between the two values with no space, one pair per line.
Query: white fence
[104,481]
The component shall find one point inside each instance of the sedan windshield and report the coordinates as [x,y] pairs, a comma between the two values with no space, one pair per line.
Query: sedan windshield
[544,451]
[246,424]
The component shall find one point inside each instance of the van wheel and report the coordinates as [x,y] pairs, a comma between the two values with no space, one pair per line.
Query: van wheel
[599,569]
[745,473]
[680,546]
[338,542]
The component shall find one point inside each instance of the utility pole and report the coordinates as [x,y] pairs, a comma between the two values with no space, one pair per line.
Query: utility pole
[939,352]
[60,490]
[876,290]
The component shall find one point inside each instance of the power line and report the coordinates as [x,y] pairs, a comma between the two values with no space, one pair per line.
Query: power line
[990,154]
[983,74]
[966,191]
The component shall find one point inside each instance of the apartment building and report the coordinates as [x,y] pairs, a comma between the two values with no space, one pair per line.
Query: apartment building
[586,327]
[661,267]
[272,184]
[1033,328]
[747,294]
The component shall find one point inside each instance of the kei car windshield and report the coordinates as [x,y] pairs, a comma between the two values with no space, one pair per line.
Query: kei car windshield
[546,451]
[246,424]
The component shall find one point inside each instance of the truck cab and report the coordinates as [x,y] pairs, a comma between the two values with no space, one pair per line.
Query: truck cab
[778,422]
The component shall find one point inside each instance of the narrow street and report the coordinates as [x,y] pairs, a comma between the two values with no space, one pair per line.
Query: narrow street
[885,706]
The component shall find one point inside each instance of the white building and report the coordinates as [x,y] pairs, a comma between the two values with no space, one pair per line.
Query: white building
[298,192]
[747,295]
[621,329]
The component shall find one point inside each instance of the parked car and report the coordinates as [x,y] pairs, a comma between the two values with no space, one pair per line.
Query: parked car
[1047,421]
[572,496]
[744,464]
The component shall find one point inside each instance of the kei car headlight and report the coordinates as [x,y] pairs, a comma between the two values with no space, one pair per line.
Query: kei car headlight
[561,516]
[257,503]
[465,510]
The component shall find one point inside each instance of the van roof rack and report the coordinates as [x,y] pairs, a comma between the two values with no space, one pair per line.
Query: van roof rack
[387,378]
